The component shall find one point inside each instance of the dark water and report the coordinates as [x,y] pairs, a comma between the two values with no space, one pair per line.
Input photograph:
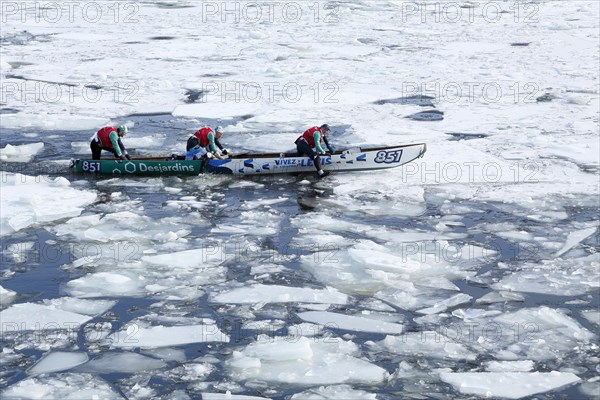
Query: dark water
[42,275]
[419,100]
[431,115]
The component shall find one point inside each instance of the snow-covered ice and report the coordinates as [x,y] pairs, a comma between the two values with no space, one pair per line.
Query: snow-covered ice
[164,336]
[58,361]
[510,385]
[502,366]
[229,396]
[351,323]
[121,362]
[334,392]
[565,277]
[22,153]
[62,386]
[300,361]
[577,237]
[28,200]
[7,296]
[30,316]
[280,294]
[429,343]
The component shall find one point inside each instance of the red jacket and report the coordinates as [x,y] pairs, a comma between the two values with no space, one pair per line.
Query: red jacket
[202,135]
[308,135]
[104,136]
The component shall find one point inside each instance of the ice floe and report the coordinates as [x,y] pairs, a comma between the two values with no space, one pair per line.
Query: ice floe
[334,392]
[103,284]
[187,271]
[509,366]
[369,267]
[570,277]
[535,334]
[511,385]
[165,336]
[350,322]
[58,361]
[51,122]
[426,343]
[123,362]
[28,200]
[62,386]
[280,294]
[31,316]
[300,361]
[577,237]
[592,315]
[20,153]
[7,296]
[229,396]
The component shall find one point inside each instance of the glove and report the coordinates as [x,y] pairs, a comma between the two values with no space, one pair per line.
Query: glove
[127,156]
[225,151]
[122,157]
[209,155]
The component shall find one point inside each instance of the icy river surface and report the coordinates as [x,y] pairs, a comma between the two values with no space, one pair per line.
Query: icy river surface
[472,272]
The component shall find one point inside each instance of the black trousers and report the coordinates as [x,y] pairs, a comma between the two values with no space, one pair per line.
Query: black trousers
[97,149]
[192,142]
[304,149]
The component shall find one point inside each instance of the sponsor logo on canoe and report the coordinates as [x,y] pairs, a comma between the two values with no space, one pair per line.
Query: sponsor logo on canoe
[165,168]
[286,162]
[299,162]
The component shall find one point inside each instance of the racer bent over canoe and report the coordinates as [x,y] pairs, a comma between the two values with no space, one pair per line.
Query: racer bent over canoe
[311,139]
[109,139]
[205,142]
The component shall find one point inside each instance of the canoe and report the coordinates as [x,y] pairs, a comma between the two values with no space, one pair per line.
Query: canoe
[355,159]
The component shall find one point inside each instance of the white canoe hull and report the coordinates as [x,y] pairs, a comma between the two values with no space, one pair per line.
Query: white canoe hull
[350,160]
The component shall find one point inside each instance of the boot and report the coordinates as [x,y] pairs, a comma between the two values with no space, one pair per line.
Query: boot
[323,174]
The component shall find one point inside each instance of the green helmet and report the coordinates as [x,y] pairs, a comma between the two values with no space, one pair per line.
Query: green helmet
[122,129]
